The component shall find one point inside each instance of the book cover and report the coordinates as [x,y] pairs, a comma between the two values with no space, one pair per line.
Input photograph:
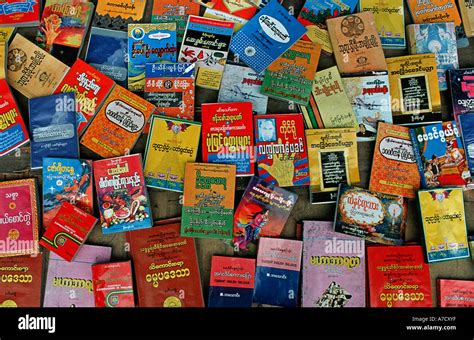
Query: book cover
[440,155]
[461,86]
[232,282]
[166,267]
[13,132]
[239,8]
[466,10]
[369,96]
[356,43]
[19,218]
[121,194]
[3,60]
[170,138]
[466,125]
[69,284]
[282,154]
[262,211]
[116,15]
[291,76]
[6,33]
[227,135]
[206,43]
[394,169]
[424,37]
[20,13]
[278,272]
[21,281]
[208,206]
[414,89]
[444,224]
[118,124]
[219,15]
[333,268]
[373,216]
[174,11]
[398,277]
[266,36]
[332,160]
[455,293]
[113,284]
[149,43]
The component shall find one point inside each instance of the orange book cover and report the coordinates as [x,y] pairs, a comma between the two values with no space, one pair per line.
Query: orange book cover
[424,12]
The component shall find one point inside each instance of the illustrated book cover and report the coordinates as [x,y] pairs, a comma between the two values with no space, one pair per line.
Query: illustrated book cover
[113,284]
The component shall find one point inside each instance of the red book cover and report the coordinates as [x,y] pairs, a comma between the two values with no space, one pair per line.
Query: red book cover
[241,8]
[455,293]
[68,231]
[113,284]
[19,12]
[398,277]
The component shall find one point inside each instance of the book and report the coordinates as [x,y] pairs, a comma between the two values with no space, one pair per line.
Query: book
[471,245]
[13,132]
[467,16]
[398,277]
[21,281]
[176,11]
[220,15]
[394,169]
[239,8]
[227,135]
[206,43]
[332,160]
[6,33]
[461,87]
[313,16]
[440,155]
[20,13]
[32,71]
[455,293]
[118,124]
[113,284]
[69,284]
[369,96]
[444,224]
[208,205]
[266,36]
[19,218]
[389,20]
[333,268]
[121,194]
[149,43]
[232,282]
[422,38]
[170,139]
[166,267]
[278,272]
[414,89]
[107,52]
[262,211]
[373,216]
[356,43]
[66,180]
[282,154]
[291,76]
[3,60]
[466,122]
[116,15]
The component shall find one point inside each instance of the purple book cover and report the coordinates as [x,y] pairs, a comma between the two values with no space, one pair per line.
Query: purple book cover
[333,267]
[69,284]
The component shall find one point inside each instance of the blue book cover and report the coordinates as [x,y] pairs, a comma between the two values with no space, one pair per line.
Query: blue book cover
[53,127]
[266,36]
[466,122]
[171,70]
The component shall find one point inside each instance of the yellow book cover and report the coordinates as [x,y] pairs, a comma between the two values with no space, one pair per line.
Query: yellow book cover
[2,60]
[6,33]
[466,8]
[425,12]
[125,9]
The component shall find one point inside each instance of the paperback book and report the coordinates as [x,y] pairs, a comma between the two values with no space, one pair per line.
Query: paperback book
[116,15]
[466,10]
[113,284]
[239,8]
[461,85]
[455,293]
[174,11]
[6,33]
[220,15]
[20,13]
[466,126]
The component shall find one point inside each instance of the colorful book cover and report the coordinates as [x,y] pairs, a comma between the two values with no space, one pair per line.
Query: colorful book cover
[122,195]
[332,160]
[398,277]
[113,284]
[19,218]
[149,43]
[174,11]
[13,132]
[240,8]
[461,85]
[170,139]
[466,9]
[466,125]
[414,89]
[278,272]
[232,282]
[455,293]
[227,135]
[206,43]
[440,155]
[369,96]
[208,207]
[118,124]
[262,211]
[333,267]
[219,15]
[21,281]
[282,154]
[53,127]
[291,76]
[20,13]
[166,267]
[373,216]
[69,284]
[116,15]
[444,224]
[394,170]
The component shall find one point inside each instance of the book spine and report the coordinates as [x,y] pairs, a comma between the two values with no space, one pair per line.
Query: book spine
[416,151]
